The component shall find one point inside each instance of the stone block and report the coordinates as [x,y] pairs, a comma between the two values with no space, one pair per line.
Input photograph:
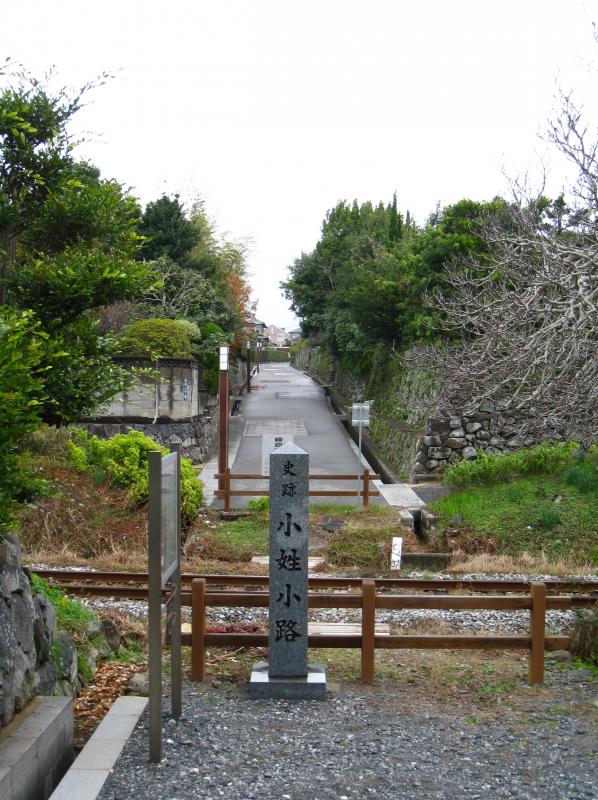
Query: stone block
[456,443]
[289,503]
[438,452]
[469,453]
[10,550]
[312,686]
[432,441]
[473,427]
[455,422]
[457,433]
[439,425]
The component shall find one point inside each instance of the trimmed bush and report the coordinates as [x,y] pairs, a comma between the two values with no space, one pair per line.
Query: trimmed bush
[156,338]
[122,461]
[546,459]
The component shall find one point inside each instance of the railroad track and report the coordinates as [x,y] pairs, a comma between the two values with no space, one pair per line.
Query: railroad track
[134,585]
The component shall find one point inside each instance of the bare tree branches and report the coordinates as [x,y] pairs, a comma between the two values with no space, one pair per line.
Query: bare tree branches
[527,321]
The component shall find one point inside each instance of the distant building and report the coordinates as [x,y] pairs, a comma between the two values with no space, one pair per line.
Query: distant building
[295,336]
[256,329]
[277,336]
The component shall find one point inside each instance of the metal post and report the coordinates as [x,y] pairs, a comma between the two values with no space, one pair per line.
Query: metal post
[359,468]
[176,667]
[258,349]
[223,416]
[155,605]
[248,367]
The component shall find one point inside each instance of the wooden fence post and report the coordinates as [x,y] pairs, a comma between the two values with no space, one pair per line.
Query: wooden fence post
[368,629]
[227,489]
[537,632]
[366,488]
[198,628]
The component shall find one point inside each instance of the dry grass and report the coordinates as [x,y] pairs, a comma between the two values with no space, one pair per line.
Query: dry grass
[524,563]
[83,520]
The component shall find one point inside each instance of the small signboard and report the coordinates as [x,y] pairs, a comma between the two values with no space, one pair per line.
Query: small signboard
[271,442]
[360,414]
[164,575]
[396,552]
[169,516]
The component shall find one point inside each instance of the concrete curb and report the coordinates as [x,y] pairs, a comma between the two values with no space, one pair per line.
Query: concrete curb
[85,778]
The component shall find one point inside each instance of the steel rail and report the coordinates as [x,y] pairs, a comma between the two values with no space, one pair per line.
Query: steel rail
[80,577]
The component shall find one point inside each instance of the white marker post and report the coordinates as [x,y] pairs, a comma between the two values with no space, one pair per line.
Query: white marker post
[396,552]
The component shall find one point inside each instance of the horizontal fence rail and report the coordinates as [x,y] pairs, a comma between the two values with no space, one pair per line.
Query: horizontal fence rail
[365,492]
[536,601]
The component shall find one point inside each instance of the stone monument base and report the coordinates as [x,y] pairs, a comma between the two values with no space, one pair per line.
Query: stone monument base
[310,687]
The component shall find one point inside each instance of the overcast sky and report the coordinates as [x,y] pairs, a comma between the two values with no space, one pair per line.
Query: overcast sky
[273,111]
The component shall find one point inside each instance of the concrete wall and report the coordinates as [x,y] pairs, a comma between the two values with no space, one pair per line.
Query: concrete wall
[172,397]
[37,749]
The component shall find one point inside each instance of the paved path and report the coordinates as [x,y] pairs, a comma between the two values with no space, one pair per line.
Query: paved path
[287,403]
[284,402]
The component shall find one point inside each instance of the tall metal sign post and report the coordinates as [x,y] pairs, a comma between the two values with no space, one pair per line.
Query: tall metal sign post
[287,673]
[223,415]
[360,417]
[164,572]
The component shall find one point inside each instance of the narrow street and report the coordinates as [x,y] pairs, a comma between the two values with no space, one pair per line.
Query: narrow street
[286,403]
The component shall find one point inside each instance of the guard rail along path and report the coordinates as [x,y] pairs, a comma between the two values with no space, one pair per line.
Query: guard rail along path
[369,600]
[365,492]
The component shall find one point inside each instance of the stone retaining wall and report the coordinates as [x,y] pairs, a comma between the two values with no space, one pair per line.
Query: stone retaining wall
[453,437]
[35,657]
[196,438]
[398,394]
[27,629]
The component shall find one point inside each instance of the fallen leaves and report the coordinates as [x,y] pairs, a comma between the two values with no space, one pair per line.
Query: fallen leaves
[93,702]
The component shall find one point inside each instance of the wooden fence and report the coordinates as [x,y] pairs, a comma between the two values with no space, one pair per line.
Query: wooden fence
[368,600]
[365,492]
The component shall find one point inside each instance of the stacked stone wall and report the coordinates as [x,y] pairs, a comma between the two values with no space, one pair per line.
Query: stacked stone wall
[400,397]
[454,436]
[36,658]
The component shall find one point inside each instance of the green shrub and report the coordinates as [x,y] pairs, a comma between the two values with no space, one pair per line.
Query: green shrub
[262,504]
[546,459]
[156,338]
[212,336]
[71,615]
[21,390]
[549,518]
[584,475]
[123,461]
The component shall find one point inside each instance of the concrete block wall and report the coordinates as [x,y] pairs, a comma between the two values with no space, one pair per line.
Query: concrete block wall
[36,749]
[173,396]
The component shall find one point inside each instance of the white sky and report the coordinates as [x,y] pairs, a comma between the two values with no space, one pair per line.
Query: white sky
[274,111]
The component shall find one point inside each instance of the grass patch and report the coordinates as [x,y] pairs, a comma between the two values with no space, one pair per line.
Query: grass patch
[523,516]
[71,615]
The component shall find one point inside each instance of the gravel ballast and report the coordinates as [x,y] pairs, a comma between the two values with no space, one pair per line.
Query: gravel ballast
[369,742]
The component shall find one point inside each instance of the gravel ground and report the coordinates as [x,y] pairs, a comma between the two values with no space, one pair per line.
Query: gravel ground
[370,742]
[516,622]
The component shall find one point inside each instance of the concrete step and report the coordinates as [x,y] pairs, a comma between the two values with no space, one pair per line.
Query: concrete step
[85,778]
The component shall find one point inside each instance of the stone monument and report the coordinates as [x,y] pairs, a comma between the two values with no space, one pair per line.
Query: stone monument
[287,673]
